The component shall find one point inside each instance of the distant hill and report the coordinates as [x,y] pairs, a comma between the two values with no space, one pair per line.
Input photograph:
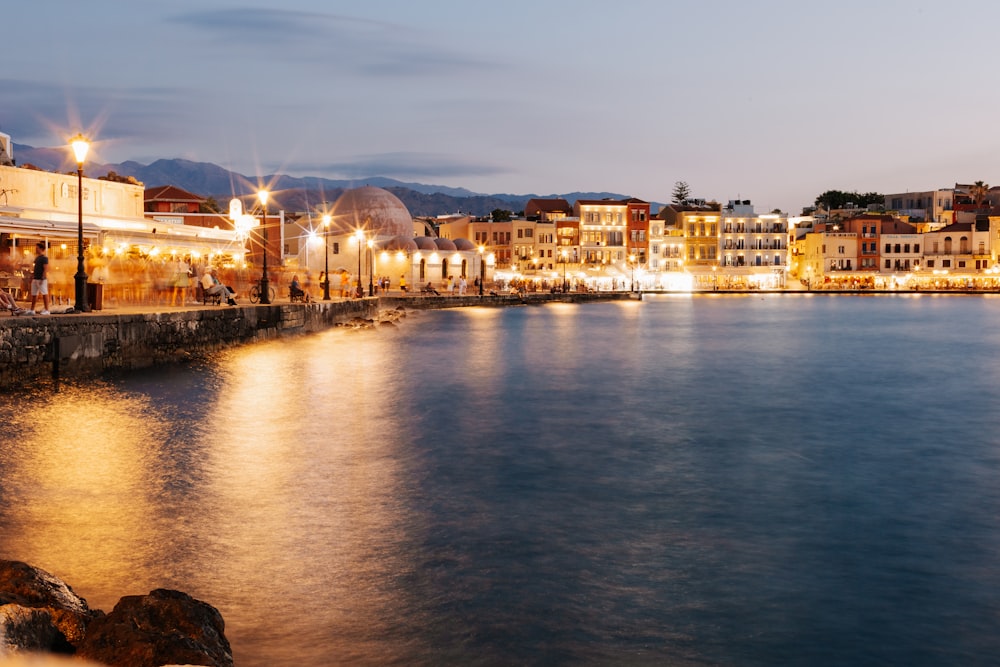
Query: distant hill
[291,193]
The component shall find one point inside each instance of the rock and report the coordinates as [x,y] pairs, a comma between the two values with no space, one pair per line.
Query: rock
[22,585]
[29,629]
[164,627]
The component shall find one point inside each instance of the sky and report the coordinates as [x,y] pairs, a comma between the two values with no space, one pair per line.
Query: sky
[775,101]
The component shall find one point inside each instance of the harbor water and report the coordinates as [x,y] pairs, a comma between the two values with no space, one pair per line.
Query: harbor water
[708,480]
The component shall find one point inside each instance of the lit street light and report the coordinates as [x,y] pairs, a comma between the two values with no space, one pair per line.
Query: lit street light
[265,287]
[326,259]
[80,147]
[631,261]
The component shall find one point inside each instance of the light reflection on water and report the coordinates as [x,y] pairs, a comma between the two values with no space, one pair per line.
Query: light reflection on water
[715,480]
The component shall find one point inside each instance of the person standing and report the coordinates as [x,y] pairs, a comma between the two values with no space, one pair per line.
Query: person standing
[40,279]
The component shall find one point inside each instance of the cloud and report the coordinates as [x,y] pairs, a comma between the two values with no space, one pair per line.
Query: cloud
[368,47]
[405,165]
[46,111]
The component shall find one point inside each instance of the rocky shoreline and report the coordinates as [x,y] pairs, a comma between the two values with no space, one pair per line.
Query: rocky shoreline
[40,614]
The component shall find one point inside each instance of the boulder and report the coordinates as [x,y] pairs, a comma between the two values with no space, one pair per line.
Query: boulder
[165,627]
[25,586]
[29,629]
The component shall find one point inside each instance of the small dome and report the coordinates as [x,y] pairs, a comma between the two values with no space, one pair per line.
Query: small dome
[404,243]
[445,244]
[377,211]
[425,243]
[464,244]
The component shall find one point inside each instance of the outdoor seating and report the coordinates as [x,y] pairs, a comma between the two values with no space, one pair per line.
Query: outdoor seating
[206,298]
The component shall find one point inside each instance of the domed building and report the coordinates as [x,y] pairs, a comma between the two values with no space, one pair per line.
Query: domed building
[373,234]
[376,211]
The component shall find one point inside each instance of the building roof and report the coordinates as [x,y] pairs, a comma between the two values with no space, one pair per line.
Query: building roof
[546,206]
[171,193]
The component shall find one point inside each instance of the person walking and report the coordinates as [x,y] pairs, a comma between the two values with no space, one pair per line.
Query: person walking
[40,279]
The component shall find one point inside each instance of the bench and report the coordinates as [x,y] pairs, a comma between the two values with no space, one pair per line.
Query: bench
[205,297]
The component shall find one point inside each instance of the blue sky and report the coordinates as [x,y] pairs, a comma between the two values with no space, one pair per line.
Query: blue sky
[774,101]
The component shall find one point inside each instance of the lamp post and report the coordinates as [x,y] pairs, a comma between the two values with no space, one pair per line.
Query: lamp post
[482,268]
[631,263]
[360,236]
[565,258]
[80,147]
[326,257]
[371,267]
[265,287]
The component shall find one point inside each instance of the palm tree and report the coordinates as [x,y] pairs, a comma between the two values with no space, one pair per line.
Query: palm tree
[978,192]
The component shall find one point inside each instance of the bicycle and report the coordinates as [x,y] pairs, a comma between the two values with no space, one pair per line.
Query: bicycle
[255,293]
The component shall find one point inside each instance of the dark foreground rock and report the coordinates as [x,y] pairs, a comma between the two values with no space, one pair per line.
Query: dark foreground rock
[39,612]
[164,627]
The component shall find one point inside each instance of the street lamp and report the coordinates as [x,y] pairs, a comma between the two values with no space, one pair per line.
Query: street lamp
[631,262]
[360,236]
[565,258]
[482,268]
[371,267]
[265,287]
[326,258]
[80,147]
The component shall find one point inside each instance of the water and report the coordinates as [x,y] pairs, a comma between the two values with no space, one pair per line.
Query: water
[689,481]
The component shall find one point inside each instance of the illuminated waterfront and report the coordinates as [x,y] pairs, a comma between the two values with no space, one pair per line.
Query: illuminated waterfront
[749,480]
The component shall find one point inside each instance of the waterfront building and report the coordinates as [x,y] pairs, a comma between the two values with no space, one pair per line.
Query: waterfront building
[373,234]
[875,255]
[123,248]
[603,253]
[699,224]
[960,248]
[753,249]
[828,256]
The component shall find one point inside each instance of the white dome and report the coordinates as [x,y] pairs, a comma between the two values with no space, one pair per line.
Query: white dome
[377,211]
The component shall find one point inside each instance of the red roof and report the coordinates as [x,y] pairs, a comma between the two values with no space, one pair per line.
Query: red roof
[171,193]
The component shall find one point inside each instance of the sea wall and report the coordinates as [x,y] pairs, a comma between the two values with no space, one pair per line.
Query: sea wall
[88,344]
[53,347]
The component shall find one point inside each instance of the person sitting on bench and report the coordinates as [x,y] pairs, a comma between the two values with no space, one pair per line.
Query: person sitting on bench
[212,287]
[295,290]
[429,289]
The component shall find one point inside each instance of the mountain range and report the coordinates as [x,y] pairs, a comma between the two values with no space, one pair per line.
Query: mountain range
[291,193]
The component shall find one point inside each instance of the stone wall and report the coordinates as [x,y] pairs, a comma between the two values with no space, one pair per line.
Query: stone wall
[80,345]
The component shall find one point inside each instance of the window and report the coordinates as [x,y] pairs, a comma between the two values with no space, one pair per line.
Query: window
[888,264]
[336,247]
[906,247]
[887,248]
[916,247]
[840,250]
[897,247]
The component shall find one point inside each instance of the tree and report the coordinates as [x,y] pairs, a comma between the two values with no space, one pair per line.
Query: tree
[210,205]
[501,215]
[832,199]
[681,193]
[978,191]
